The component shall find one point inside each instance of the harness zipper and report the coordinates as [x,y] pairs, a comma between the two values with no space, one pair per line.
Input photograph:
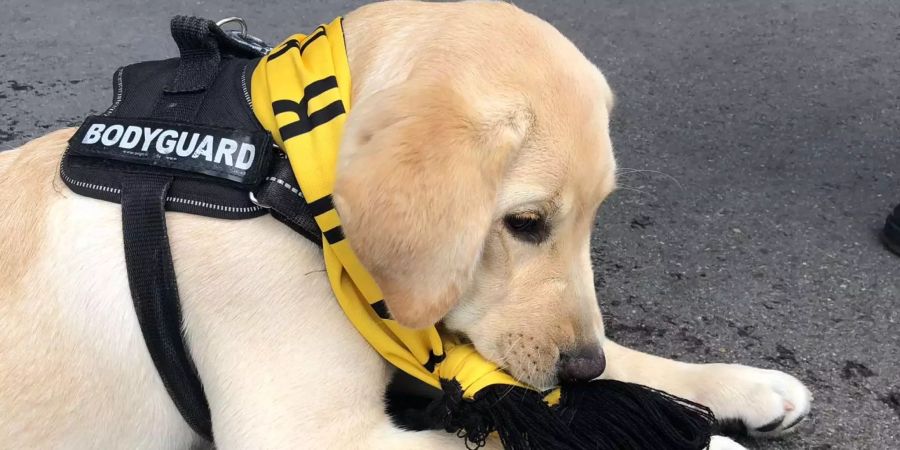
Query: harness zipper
[244,86]
[118,92]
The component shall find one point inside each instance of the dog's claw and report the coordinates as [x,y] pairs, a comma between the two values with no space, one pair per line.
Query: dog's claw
[771,426]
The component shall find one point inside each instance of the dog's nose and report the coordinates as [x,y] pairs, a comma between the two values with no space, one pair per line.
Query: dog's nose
[584,364]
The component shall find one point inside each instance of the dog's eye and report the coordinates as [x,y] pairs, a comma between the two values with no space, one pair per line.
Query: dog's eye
[527,226]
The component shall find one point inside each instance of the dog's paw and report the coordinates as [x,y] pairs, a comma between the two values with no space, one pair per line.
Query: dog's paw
[759,402]
[724,443]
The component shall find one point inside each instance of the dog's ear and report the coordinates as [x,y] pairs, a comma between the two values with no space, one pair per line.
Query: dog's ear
[416,189]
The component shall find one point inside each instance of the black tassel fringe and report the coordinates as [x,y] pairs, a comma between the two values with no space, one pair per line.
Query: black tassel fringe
[615,415]
[599,415]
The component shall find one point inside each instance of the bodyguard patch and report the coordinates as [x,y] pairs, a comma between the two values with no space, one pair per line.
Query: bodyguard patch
[235,155]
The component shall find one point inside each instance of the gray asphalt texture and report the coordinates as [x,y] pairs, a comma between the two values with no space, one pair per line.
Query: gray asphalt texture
[758,142]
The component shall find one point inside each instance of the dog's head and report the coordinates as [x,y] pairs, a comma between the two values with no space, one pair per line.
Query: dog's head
[469,191]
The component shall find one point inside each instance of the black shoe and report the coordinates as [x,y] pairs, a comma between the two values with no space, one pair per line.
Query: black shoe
[891,234]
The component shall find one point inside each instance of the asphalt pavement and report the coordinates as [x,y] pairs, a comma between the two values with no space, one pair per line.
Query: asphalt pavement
[758,142]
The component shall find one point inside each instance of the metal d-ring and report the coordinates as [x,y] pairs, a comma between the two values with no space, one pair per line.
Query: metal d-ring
[238,20]
[257,202]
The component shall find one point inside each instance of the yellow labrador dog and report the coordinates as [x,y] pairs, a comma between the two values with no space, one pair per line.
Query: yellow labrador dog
[492,126]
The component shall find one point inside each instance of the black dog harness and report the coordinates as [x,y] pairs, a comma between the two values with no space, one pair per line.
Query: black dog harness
[181,136]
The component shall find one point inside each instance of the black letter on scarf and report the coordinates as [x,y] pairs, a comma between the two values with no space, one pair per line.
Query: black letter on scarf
[306,121]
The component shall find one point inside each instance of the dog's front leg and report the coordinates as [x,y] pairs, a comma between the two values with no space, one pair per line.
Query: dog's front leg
[766,402]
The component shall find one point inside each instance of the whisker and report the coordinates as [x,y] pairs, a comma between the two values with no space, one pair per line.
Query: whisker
[628,188]
[508,390]
[626,171]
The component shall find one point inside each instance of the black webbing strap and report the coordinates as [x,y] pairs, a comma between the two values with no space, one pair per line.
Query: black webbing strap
[151,273]
[280,192]
[198,66]
[154,291]
[199,54]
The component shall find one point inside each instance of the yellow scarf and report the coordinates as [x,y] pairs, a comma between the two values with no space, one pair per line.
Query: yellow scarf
[301,94]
